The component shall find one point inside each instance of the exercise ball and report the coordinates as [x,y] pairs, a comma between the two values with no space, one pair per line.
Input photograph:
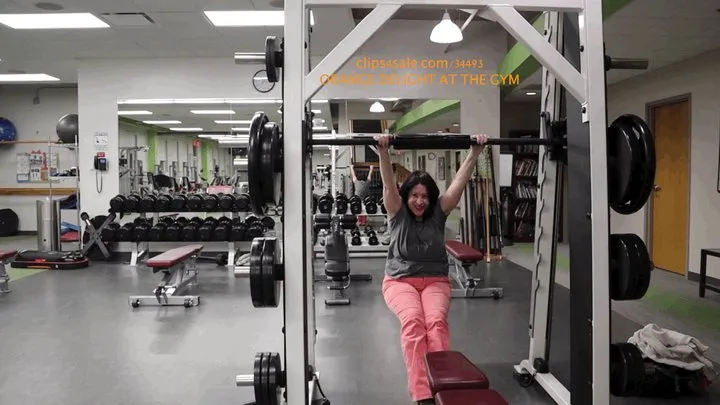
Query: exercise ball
[67,128]
[7,130]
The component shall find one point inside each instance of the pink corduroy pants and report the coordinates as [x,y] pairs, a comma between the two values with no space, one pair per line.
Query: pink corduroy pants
[421,304]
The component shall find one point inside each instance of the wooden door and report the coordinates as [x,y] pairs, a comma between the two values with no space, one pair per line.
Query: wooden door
[670,200]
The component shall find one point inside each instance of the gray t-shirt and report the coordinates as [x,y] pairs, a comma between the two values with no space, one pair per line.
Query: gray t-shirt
[417,247]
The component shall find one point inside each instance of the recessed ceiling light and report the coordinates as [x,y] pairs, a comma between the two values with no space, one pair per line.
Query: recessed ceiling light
[319,101]
[316,111]
[161,122]
[51,21]
[233,121]
[319,128]
[279,111]
[212,112]
[389,99]
[249,18]
[186,129]
[27,77]
[135,112]
[531,93]
[456,125]
[240,129]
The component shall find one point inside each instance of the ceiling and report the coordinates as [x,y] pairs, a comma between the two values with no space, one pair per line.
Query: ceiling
[243,112]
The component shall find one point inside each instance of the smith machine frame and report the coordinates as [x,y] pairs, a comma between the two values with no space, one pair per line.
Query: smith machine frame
[590,316]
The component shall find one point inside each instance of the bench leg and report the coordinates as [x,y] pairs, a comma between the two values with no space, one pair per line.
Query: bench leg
[4,279]
[169,291]
[467,287]
[138,252]
[338,288]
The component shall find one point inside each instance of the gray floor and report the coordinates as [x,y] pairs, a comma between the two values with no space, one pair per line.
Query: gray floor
[70,338]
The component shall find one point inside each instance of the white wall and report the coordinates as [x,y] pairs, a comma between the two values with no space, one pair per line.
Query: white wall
[698,77]
[34,122]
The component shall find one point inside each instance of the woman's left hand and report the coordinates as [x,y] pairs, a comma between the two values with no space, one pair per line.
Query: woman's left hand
[481,141]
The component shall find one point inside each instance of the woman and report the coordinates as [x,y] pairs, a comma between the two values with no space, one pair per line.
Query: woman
[416,285]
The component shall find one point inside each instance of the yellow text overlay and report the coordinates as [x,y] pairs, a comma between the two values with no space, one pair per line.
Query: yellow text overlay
[372,64]
[427,79]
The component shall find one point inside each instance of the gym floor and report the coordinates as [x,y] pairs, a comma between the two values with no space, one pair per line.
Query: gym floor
[69,337]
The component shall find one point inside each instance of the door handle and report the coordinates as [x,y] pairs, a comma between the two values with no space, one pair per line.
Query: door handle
[657,188]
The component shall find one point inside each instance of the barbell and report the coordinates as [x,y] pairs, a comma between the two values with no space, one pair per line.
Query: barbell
[265,272]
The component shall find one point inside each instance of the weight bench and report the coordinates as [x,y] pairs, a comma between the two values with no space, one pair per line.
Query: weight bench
[455,380]
[179,272]
[5,257]
[463,257]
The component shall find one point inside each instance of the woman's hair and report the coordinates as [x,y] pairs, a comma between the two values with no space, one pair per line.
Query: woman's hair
[421,177]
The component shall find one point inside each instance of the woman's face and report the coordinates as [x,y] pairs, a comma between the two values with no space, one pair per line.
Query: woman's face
[418,200]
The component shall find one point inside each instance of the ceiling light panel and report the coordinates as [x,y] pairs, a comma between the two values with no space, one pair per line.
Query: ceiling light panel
[186,129]
[249,18]
[212,112]
[27,77]
[135,112]
[231,122]
[162,122]
[52,21]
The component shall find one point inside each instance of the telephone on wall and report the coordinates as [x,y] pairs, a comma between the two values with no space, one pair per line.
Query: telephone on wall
[100,162]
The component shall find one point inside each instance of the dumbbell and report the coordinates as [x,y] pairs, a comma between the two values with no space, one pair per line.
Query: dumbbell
[370,233]
[179,202]
[268,223]
[181,221]
[348,221]
[355,205]
[382,206]
[341,203]
[108,233]
[194,203]
[210,202]
[157,232]
[241,203]
[321,221]
[373,239]
[173,230]
[125,232]
[132,202]
[147,203]
[142,228]
[325,204]
[315,203]
[253,231]
[162,203]
[356,240]
[189,231]
[237,230]
[117,203]
[226,202]
[368,229]
[206,230]
[370,205]
[355,232]
[222,229]
[251,219]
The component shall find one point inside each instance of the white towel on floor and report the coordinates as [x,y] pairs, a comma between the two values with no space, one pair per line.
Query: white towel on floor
[670,347]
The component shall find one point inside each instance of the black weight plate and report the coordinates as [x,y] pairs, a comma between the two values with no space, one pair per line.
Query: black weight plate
[226,202]
[270,292]
[642,269]
[267,159]
[257,378]
[264,378]
[634,270]
[620,267]
[242,202]
[256,279]
[271,62]
[178,202]
[622,155]
[268,223]
[643,179]
[274,374]
[278,147]
[256,178]
[117,203]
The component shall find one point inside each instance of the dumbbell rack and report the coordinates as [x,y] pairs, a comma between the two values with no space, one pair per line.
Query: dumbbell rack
[364,250]
[141,249]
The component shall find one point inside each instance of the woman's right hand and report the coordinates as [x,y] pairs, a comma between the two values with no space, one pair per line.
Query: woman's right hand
[383,141]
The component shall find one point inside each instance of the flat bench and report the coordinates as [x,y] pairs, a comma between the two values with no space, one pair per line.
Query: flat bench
[464,257]
[179,272]
[5,256]
[455,380]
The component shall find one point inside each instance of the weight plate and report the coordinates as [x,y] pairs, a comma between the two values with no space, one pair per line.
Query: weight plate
[267,159]
[644,180]
[622,156]
[265,379]
[271,62]
[256,179]
[256,278]
[257,378]
[277,146]
[627,369]
[620,270]
[274,374]
[634,268]
[270,290]
[642,269]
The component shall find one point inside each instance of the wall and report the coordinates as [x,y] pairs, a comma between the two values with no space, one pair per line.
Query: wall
[519,116]
[34,122]
[698,77]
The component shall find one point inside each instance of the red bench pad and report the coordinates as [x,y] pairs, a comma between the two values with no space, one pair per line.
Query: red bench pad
[470,397]
[4,254]
[451,370]
[173,256]
[463,252]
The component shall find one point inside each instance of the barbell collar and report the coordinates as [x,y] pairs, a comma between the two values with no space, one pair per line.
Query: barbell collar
[244,380]
[241,271]
[626,64]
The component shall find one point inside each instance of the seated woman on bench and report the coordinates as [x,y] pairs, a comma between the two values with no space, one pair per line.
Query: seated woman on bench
[416,286]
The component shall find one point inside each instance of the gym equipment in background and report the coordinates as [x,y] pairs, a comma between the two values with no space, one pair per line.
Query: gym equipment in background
[33,259]
[9,222]
[8,132]
[67,128]
[178,274]
[5,257]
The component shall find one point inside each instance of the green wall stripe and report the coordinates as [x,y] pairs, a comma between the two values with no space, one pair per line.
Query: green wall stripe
[519,61]
[424,112]
[139,124]
[152,150]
